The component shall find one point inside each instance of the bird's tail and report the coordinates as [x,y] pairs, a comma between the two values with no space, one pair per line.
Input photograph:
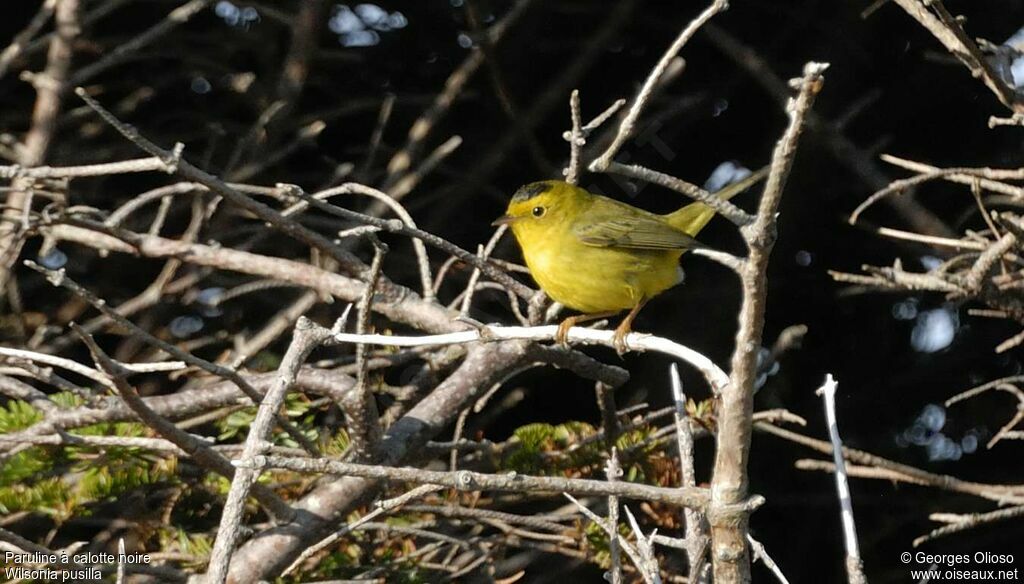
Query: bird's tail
[693,217]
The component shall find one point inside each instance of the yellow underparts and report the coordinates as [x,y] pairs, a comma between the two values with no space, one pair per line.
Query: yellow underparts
[599,279]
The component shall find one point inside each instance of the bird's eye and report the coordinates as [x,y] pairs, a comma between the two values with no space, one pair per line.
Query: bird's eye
[538,211]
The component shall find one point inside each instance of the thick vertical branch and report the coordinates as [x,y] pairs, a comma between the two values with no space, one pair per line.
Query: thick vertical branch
[730,556]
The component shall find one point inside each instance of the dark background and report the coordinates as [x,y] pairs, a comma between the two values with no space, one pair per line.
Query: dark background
[926,107]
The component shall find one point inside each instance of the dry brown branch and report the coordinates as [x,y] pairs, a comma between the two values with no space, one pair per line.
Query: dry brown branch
[59,278]
[960,523]
[873,466]
[628,123]
[858,161]
[195,447]
[465,480]
[762,554]
[933,16]
[50,87]
[307,337]
[361,415]
[729,554]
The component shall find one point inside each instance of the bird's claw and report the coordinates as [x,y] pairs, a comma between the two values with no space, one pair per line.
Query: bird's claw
[619,341]
[562,335]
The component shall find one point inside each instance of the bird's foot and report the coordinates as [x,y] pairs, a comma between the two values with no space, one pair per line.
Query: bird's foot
[619,338]
[562,335]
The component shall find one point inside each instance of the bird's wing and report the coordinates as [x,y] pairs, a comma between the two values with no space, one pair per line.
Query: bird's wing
[633,233]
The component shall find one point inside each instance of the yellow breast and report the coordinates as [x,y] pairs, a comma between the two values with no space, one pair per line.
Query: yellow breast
[598,279]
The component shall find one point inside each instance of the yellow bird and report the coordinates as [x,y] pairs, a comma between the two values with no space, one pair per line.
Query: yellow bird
[600,256]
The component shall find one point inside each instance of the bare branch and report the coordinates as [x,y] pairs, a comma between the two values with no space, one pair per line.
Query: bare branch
[306,338]
[729,480]
[464,480]
[716,378]
[626,127]
[854,565]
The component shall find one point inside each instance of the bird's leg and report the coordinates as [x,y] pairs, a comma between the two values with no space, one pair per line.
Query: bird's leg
[562,336]
[619,338]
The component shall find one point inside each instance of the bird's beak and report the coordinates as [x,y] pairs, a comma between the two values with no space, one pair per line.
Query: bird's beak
[503,220]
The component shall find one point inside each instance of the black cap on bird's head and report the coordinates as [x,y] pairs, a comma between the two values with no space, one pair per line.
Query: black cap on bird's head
[527,192]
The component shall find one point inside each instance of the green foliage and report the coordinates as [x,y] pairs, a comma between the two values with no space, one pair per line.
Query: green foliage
[637,448]
[296,408]
[337,444]
[64,481]
[193,544]
[50,496]
[553,449]
[22,466]
[597,542]
[232,425]
[121,475]
[569,449]
[18,415]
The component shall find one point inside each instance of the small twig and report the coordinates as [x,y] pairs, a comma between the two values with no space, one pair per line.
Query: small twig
[990,178]
[721,206]
[854,565]
[959,523]
[761,554]
[149,164]
[695,534]
[382,507]
[576,140]
[613,472]
[484,253]
[649,568]
[603,117]
[877,467]
[89,372]
[987,260]
[611,531]
[626,127]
